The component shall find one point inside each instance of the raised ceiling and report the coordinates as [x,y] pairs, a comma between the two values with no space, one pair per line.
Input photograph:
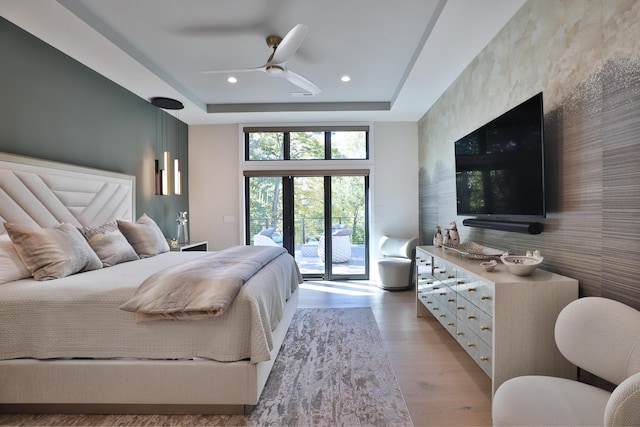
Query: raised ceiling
[400,55]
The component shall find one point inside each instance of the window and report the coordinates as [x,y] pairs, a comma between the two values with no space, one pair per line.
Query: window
[349,143]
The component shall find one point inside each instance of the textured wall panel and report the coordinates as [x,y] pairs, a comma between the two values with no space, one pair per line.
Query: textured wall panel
[621,181]
[584,55]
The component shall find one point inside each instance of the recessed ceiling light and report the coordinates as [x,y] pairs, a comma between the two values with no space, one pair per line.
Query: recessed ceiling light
[345,78]
[232,79]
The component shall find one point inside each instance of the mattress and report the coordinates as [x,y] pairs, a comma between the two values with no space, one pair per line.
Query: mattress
[78,316]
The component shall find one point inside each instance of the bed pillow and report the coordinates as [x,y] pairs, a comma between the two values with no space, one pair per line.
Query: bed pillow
[145,236]
[108,242]
[52,253]
[11,266]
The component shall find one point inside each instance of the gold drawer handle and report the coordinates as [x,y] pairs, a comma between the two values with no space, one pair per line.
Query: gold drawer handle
[460,308]
[484,328]
[450,277]
[449,323]
[429,302]
[471,316]
[484,297]
[443,315]
[470,344]
[471,289]
[435,308]
[484,358]
[442,293]
[451,300]
[460,333]
[460,282]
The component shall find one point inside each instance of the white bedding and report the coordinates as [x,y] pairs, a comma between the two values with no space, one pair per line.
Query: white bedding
[78,316]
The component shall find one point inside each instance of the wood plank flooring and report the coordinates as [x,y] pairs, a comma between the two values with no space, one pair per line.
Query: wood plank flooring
[440,383]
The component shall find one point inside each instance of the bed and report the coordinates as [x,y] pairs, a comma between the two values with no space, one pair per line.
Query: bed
[67,345]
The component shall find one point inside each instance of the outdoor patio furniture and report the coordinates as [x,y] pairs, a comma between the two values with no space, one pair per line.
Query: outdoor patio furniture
[310,249]
[340,244]
[267,237]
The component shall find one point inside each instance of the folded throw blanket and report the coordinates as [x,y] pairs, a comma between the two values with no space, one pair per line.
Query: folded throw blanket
[201,288]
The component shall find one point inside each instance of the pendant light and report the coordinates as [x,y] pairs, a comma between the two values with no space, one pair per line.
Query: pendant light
[177,174]
[162,184]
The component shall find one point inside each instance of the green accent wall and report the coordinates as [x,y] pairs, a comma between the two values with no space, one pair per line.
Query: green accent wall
[54,108]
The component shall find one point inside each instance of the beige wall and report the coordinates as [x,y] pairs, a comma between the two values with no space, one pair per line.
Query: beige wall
[584,55]
[215,184]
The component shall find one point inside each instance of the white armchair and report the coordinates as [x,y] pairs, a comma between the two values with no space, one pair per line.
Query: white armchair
[396,268]
[601,336]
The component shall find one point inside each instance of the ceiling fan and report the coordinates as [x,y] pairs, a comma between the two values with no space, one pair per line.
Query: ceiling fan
[283,50]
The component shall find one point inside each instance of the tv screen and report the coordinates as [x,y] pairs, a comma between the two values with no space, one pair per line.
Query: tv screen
[500,166]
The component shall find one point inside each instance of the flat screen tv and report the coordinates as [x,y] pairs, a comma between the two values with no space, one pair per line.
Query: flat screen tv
[500,166]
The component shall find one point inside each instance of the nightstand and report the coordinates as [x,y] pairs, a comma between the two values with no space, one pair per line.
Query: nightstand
[194,246]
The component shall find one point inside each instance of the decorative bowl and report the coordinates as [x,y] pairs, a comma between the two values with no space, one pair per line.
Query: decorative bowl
[489,265]
[521,265]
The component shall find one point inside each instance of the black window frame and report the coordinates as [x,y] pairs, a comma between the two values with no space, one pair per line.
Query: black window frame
[287,141]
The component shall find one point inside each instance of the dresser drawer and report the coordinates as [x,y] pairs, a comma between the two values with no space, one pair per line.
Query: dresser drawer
[447,319]
[446,295]
[476,320]
[478,292]
[479,351]
[425,293]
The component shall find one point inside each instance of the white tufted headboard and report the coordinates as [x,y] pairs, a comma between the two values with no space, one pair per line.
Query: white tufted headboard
[44,193]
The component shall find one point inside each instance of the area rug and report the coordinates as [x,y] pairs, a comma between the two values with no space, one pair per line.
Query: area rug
[332,370]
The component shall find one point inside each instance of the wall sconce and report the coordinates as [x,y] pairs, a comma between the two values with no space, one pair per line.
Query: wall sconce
[162,185]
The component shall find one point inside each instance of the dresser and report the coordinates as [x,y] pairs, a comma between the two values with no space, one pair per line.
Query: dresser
[503,321]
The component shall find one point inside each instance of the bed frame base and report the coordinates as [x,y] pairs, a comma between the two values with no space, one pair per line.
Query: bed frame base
[126,409]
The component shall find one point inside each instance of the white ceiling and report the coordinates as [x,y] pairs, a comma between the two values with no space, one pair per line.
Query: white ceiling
[401,55]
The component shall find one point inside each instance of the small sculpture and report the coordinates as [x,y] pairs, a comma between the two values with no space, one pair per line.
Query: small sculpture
[183,231]
[437,239]
[446,240]
[455,237]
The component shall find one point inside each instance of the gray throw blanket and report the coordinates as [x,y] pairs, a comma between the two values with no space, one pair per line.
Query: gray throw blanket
[201,288]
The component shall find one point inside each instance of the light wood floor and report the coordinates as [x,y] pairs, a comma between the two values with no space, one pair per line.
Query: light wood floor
[440,383]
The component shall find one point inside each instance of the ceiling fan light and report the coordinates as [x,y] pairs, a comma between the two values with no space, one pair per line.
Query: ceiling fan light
[232,79]
[274,70]
[345,78]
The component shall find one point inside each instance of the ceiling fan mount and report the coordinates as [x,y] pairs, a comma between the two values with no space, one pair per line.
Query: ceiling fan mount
[283,50]
[273,41]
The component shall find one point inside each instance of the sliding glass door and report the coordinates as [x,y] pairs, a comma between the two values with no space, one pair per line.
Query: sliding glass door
[320,219]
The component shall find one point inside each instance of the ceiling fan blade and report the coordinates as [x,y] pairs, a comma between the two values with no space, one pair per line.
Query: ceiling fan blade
[289,44]
[235,70]
[301,82]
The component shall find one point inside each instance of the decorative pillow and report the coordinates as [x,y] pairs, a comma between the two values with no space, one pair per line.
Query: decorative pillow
[52,253]
[108,242]
[11,266]
[145,236]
